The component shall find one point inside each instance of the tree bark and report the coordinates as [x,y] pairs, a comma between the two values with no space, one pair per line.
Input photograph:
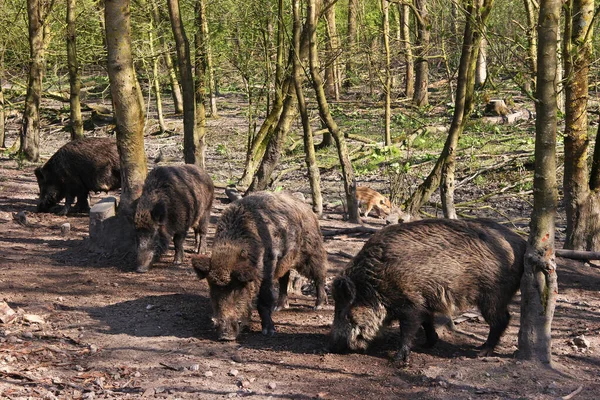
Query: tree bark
[126,95]
[37,11]
[539,286]
[201,66]
[207,59]
[155,76]
[421,96]
[192,153]
[531,11]
[347,171]
[481,69]
[314,177]
[351,77]
[175,87]
[387,87]
[2,115]
[331,69]
[409,80]
[74,76]
[582,202]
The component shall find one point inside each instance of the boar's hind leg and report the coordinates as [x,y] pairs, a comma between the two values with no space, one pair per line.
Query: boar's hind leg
[178,239]
[498,322]
[82,204]
[430,333]
[200,234]
[282,301]
[265,306]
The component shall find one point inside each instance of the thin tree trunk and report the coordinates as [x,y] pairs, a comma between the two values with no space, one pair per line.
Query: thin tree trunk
[539,286]
[331,70]
[200,69]
[175,87]
[421,96]
[531,11]
[207,55]
[156,78]
[347,171]
[351,75]
[481,69]
[387,87]
[2,115]
[314,177]
[409,82]
[126,95]
[74,77]
[192,151]
[30,134]
[581,200]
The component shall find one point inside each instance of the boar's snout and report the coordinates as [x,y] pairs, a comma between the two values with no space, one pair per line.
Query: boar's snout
[228,331]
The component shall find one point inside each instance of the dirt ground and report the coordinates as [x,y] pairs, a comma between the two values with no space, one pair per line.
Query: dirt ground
[88,327]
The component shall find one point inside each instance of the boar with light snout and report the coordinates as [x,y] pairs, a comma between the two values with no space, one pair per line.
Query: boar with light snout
[257,241]
[76,169]
[174,199]
[408,272]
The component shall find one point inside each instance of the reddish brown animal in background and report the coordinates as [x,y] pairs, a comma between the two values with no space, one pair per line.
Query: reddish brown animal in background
[408,272]
[257,241]
[174,199]
[76,169]
[372,199]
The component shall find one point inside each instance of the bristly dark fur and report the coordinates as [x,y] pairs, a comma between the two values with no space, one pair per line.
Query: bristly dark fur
[80,166]
[269,234]
[174,199]
[408,272]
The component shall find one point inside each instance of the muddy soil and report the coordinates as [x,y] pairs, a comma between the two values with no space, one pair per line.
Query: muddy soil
[87,327]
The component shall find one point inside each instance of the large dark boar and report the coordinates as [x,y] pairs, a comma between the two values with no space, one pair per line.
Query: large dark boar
[258,240]
[174,199]
[80,166]
[408,272]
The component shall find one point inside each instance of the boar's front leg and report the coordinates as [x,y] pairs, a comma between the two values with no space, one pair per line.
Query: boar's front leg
[410,321]
[68,202]
[200,234]
[266,300]
[430,333]
[82,204]
[178,240]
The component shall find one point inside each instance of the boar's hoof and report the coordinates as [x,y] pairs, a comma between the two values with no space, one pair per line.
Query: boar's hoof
[486,351]
[141,270]
[63,211]
[402,355]
[269,331]
[282,306]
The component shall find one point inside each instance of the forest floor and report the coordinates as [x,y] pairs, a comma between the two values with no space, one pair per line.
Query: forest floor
[88,327]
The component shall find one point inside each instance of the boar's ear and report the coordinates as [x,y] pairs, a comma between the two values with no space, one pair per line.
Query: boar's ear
[344,291]
[201,264]
[159,213]
[39,174]
[244,254]
[244,273]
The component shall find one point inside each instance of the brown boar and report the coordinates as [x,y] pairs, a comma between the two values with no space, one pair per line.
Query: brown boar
[408,272]
[258,240]
[174,199]
[373,200]
[80,166]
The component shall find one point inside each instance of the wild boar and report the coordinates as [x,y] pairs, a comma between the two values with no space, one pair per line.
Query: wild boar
[372,199]
[174,199]
[408,272]
[80,166]
[258,240]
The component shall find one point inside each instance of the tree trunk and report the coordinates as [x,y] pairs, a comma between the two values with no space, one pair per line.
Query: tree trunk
[531,11]
[539,286]
[156,77]
[192,151]
[30,134]
[421,97]
[200,69]
[314,177]
[2,115]
[175,87]
[409,82]
[351,74]
[207,60]
[387,87]
[74,77]
[126,95]
[581,200]
[331,70]
[481,68]
[347,171]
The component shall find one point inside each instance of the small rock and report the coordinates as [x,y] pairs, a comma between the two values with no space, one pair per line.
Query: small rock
[137,374]
[79,368]
[581,342]
[159,389]
[88,395]
[195,367]
[7,314]
[115,284]
[27,335]
[77,393]
[60,298]
[150,306]
[33,319]
[208,374]
[272,385]
[233,372]
[238,358]
[56,380]
[20,218]
[487,374]
[93,348]
[65,228]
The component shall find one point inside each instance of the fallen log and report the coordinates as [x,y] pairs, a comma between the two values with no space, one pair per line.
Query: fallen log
[578,254]
[348,231]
